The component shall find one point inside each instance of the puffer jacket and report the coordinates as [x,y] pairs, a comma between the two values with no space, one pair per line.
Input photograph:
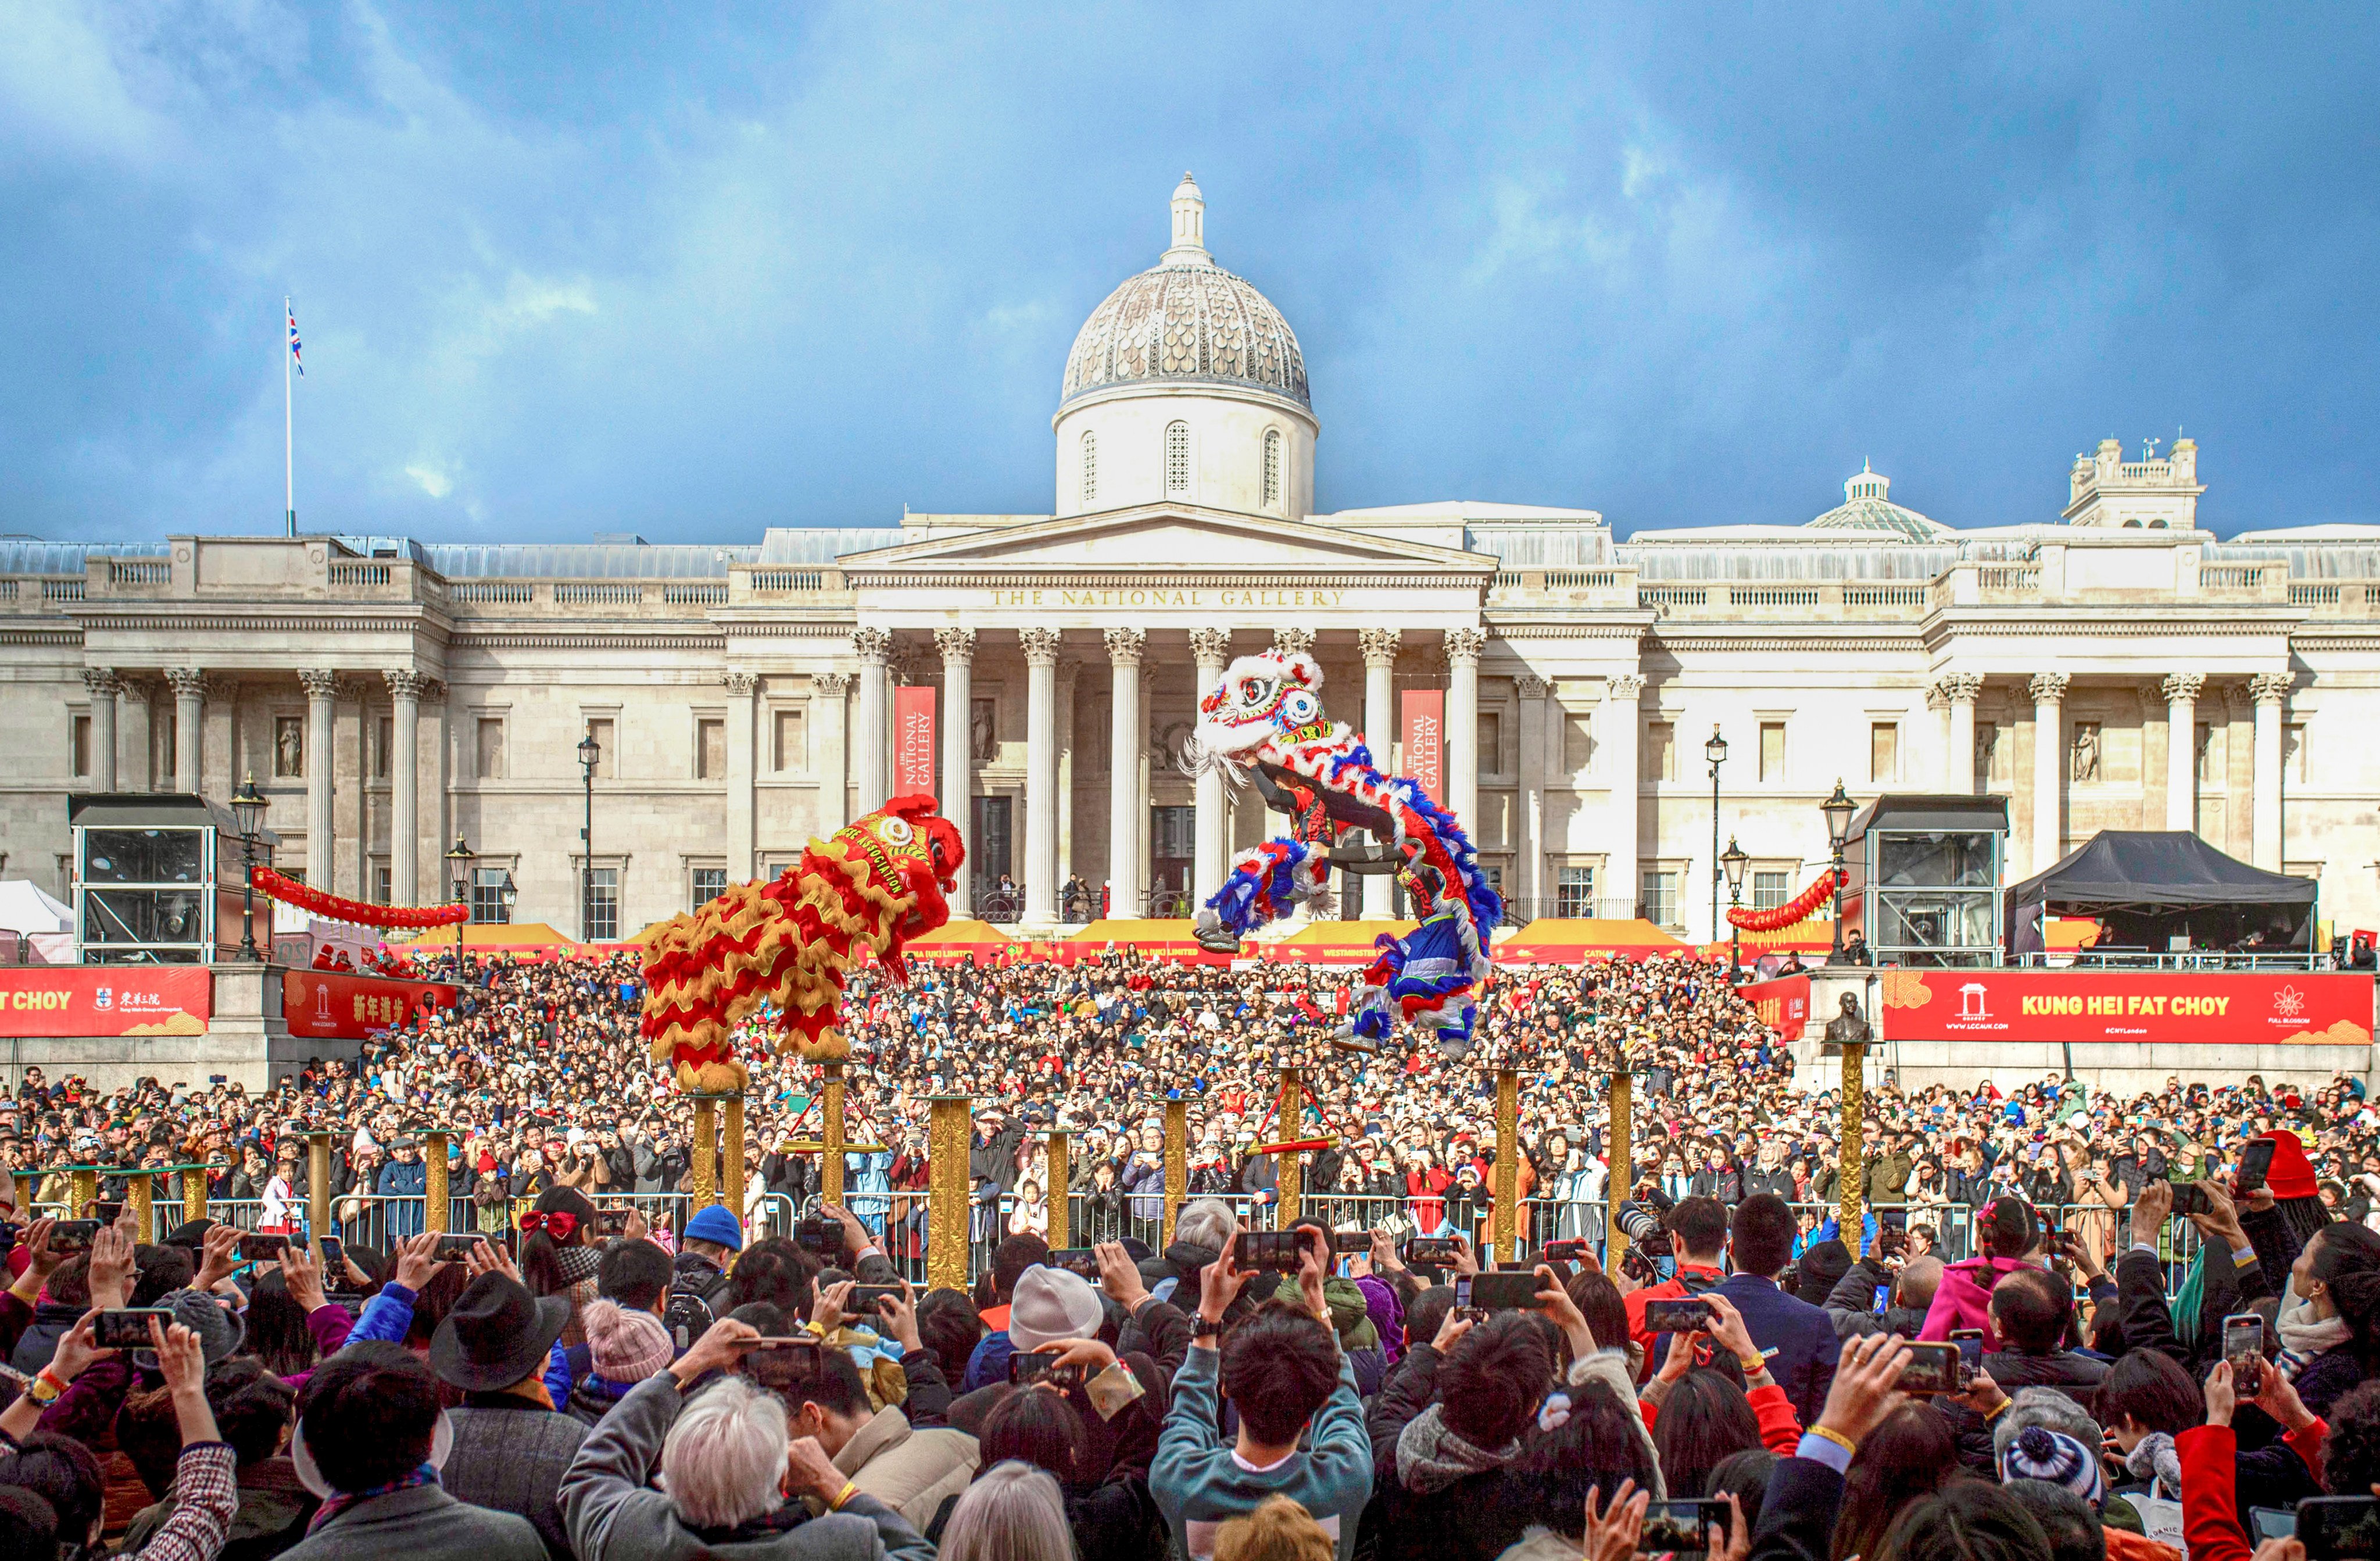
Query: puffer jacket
[1963,1299]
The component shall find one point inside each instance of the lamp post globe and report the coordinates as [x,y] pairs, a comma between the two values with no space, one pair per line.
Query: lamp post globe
[461,854]
[591,753]
[248,805]
[1838,809]
[1716,751]
[1734,860]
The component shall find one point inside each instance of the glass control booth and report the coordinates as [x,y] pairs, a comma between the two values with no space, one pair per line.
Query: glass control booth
[158,878]
[1922,879]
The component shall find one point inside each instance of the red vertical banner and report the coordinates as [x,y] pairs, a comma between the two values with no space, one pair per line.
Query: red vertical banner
[1424,725]
[912,742]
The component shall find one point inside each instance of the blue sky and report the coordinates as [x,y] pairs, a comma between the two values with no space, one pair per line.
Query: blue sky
[693,271]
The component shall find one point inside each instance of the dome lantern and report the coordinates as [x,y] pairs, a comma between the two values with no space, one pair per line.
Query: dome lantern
[1189,226]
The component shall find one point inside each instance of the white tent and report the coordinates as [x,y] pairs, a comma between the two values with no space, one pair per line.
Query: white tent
[31,914]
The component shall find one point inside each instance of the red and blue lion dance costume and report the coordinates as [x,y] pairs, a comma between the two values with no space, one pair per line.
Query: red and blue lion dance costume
[1264,722]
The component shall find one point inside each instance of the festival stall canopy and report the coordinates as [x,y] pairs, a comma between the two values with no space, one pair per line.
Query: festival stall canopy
[958,939]
[1556,940]
[25,907]
[2150,886]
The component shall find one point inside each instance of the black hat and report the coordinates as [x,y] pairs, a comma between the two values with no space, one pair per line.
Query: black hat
[497,1334]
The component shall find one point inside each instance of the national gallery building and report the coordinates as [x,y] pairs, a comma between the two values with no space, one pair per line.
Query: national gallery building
[2106,667]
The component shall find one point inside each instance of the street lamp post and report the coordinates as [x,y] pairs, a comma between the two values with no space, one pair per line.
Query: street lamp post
[1734,862]
[1716,751]
[248,805]
[591,753]
[1838,809]
[461,856]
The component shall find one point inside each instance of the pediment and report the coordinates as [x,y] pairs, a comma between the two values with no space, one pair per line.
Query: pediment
[1158,538]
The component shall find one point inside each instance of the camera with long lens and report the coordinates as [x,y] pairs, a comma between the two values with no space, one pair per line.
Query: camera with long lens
[1641,1224]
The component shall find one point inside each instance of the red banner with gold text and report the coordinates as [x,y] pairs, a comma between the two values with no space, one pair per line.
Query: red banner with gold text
[106,1000]
[1425,734]
[912,742]
[338,1004]
[2281,1008]
[1783,1005]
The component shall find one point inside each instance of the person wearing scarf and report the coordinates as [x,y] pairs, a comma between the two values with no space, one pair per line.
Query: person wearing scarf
[493,1347]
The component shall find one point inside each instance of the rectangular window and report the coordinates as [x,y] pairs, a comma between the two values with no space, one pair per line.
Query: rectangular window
[603,920]
[1491,743]
[290,748]
[383,745]
[709,883]
[1661,750]
[1770,890]
[1772,751]
[490,755]
[710,751]
[1578,744]
[1575,891]
[793,740]
[2293,752]
[489,904]
[605,732]
[383,884]
[1660,887]
[1883,753]
[1173,833]
[78,748]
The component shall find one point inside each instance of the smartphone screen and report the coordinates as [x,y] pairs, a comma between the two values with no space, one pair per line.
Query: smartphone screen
[128,1329]
[1970,1346]
[261,1248]
[72,1235]
[335,1257]
[1680,1526]
[1083,1260]
[1932,1368]
[450,1248]
[2339,1528]
[2244,1346]
[1267,1249]
[1676,1316]
[1496,1292]
[2255,1165]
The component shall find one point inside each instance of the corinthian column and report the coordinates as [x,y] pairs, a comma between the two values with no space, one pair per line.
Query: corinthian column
[1960,690]
[1126,803]
[105,687]
[956,796]
[2048,691]
[830,719]
[1211,650]
[1379,648]
[2181,748]
[404,787]
[1535,739]
[190,686]
[868,776]
[743,798]
[2269,690]
[1462,648]
[321,692]
[1041,775]
[1622,720]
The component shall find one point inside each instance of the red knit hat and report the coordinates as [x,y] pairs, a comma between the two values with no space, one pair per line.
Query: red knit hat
[2293,1172]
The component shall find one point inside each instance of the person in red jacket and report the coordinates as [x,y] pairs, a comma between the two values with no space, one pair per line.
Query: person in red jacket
[1699,1228]
[1426,1185]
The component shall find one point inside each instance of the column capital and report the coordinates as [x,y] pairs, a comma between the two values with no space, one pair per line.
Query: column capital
[1040,646]
[1959,687]
[1293,641]
[2181,688]
[743,684]
[1210,648]
[102,682]
[1529,686]
[1126,646]
[874,645]
[405,685]
[189,682]
[831,685]
[2046,688]
[321,682]
[957,645]
[1628,686]
[1464,645]
[1378,645]
[2267,688]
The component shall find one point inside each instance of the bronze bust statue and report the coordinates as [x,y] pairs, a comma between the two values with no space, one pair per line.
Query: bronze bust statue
[1849,1029]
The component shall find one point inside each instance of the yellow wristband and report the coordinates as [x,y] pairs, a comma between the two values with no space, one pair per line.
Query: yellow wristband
[1837,1437]
[44,1388]
[1752,1366]
[850,1488]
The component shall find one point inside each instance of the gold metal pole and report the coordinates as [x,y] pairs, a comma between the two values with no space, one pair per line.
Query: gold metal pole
[138,1193]
[1062,1217]
[24,1195]
[1623,1174]
[731,1179]
[85,1182]
[1854,1172]
[706,1152]
[318,1181]
[1506,1188]
[830,1122]
[1177,1165]
[437,1201]
[194,1193]
[949,1140]
[1288,1118]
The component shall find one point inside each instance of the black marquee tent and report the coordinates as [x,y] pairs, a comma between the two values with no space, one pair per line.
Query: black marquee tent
[2147,887]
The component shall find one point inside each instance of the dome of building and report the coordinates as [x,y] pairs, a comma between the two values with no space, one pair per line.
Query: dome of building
[1865,508]
[1186,322]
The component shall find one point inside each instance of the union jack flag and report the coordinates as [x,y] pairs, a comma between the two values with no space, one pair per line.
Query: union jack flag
[295,355]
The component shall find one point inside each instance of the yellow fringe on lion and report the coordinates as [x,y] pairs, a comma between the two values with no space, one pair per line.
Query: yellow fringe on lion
[875,883]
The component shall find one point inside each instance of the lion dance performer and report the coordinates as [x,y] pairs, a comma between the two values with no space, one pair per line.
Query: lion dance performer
[874,884]
[1264,722]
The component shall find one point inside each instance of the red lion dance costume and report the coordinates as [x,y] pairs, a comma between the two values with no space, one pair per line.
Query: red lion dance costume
[875,884]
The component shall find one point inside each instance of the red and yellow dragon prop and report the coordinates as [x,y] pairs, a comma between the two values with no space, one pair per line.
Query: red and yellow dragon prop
[875,884]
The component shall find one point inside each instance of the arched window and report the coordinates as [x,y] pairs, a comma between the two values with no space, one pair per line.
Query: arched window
[1090,467]
[1177,458]
[1272,465]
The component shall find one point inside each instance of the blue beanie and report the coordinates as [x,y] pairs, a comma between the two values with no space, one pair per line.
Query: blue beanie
[717,1225]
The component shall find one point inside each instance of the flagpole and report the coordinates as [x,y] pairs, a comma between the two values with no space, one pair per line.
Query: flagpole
[289,448]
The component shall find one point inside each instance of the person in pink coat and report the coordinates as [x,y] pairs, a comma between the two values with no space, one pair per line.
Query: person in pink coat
[2008,1229]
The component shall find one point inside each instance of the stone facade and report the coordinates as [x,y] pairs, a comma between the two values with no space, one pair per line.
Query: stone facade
[2109,667]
